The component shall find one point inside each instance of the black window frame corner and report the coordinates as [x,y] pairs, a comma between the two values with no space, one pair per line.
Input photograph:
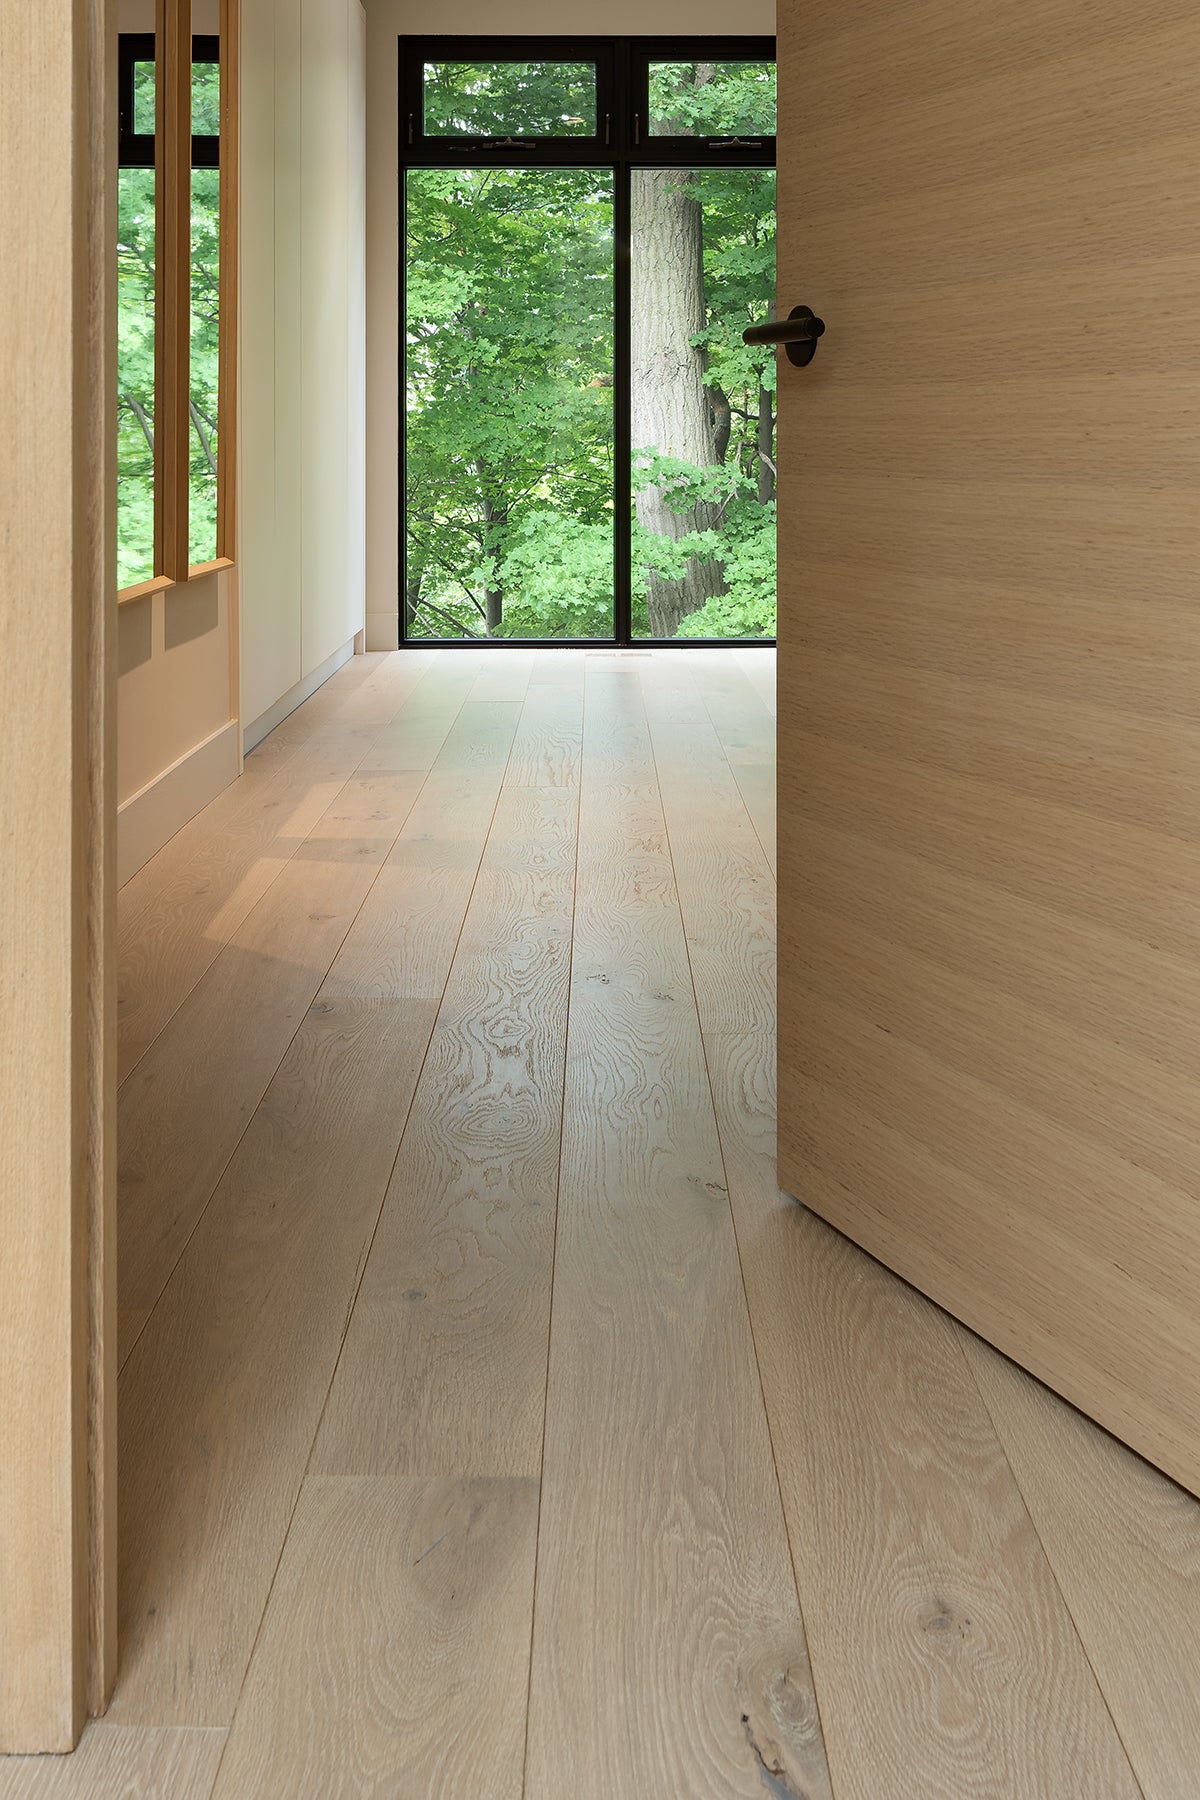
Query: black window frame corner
[135,150]
[732,150]
[417,146]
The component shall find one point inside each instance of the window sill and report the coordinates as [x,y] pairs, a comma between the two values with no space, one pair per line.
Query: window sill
[140,589]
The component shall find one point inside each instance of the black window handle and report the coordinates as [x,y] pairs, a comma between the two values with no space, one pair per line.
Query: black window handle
[798,333]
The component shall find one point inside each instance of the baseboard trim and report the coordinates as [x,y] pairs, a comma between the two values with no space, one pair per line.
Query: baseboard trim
[152,816]
[303,690]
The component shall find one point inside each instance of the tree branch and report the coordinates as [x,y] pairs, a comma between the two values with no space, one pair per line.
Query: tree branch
[205,441]
[139,412]
[426,605]
[454,576]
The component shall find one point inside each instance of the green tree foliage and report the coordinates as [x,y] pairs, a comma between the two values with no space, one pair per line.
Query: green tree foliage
[509,329]
[509,429]
[205,324]
[738,213]
[733,493]
[510,99]
[202,403]
[135,376]
[136,341]
[712,99]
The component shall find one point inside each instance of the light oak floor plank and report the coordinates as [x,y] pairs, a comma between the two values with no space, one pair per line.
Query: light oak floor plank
[393,677]
[756,784]
[668,1651]
[549,739]
[759,666]
[223,1393]
[744,734]
[946,1663]
[186,1105]
[394,1658]
[120,1762]
[735,704]
[185,903]
[414,737]
[444,1366]
[177,913]
[504,675]
[1124,1543]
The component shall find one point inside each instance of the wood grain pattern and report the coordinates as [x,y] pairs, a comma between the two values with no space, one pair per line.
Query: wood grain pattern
[669,1654]
[179,910]
[401,1612]
[200,888]
[99,864]
[989,539]
[186,1105]
[444,1367]
[414,738]
[756,784]
[57,683]
[1124,1543]
[504,677]
[224,1390]
[548,744]
[736,707]
[945,1661]
[222,1393]
[119,1762]
[730,687]
[943,1656]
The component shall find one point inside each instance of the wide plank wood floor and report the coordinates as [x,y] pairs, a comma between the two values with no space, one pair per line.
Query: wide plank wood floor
[490,1424]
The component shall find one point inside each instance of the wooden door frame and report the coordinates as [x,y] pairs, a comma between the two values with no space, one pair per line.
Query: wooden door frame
[57,875]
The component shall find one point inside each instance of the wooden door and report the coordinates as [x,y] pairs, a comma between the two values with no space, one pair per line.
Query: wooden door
[57,812]
[989,803]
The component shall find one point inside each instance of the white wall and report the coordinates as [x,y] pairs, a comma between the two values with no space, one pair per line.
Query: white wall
[184,704]
[386,21]
[303,473]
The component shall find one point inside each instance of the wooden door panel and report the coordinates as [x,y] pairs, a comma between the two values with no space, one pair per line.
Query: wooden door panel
[989,674]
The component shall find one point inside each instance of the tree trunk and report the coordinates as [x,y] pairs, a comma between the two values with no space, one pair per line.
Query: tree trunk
[198,420]
[766,447]
[143,418]
[413,581]
[672,407]
[766,436]
[722,421]
[495,519]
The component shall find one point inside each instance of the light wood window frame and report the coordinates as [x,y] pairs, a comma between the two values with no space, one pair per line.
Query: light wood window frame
[172,298]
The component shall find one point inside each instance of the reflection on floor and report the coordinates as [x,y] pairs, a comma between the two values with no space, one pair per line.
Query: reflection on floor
[490,1425]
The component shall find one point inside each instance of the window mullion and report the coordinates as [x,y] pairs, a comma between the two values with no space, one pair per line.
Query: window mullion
[173,165]
[228,264]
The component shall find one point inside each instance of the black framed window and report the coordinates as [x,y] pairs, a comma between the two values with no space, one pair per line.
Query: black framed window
[140,356]
[498,95]
[719,94]
[587,446]
[136,101]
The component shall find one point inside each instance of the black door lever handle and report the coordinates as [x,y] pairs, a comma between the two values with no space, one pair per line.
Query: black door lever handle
[798,334]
